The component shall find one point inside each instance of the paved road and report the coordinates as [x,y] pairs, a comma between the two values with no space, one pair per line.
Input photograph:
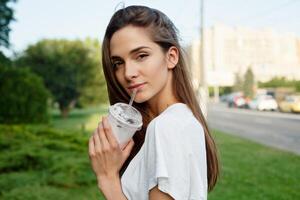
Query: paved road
[279,130]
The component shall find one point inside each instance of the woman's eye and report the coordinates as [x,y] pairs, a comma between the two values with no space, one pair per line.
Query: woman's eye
[142,56]
[117,64]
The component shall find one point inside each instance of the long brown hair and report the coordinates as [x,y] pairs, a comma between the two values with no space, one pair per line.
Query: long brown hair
[164,33]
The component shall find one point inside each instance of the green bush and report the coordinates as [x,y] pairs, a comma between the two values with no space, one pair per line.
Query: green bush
[278,82]
[44,163]
[23,97]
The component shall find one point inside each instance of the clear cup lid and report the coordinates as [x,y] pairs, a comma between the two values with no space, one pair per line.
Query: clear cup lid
[126,114]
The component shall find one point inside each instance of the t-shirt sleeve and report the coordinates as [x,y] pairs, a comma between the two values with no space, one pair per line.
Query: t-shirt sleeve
[167,159]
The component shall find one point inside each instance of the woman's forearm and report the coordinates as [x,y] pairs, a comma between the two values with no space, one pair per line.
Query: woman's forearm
[111,188]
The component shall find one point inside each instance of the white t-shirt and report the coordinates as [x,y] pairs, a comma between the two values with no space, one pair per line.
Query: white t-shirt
[173,157]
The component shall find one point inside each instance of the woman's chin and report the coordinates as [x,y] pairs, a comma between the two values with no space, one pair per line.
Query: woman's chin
[140,99]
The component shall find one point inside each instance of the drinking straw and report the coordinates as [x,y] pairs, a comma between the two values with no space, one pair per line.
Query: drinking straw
[132,96]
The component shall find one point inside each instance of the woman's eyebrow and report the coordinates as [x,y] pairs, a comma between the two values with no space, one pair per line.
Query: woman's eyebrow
[132,51]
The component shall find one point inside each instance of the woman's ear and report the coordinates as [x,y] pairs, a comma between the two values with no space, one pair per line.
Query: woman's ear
[172,57]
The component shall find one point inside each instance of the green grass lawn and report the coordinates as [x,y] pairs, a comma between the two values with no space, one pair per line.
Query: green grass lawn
[80,119]
[51,162]
[253,171]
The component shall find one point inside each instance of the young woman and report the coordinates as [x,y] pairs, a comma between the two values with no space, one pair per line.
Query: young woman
[173,156]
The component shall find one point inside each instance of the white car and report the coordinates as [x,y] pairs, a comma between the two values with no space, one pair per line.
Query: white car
[263,102]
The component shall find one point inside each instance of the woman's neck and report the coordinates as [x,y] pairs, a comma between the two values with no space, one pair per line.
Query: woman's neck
[164,99]
[155,110]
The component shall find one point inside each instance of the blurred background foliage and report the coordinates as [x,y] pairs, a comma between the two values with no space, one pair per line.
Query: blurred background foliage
[24,96]
[71,70]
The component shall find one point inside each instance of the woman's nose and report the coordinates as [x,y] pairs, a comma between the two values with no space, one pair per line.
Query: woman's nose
[131,71]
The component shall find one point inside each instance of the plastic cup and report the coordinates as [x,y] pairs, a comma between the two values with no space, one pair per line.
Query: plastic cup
[124,120]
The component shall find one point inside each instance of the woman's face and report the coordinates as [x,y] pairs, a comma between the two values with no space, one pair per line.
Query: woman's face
[140,63]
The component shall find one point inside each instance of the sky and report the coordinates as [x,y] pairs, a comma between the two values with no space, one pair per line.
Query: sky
[77,19]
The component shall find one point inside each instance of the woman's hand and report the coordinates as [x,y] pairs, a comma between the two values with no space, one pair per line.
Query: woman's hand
[105,153]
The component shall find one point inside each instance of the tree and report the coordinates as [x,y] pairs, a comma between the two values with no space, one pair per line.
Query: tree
[67,67]
[238,83]
[6,16]
[297,86]
[281,82]
[4,61]
[23,96]
[95,92]
[249,84]
[277,82]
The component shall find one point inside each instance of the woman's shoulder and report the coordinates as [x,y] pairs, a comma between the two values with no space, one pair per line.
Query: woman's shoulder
[173,114]
[176,120]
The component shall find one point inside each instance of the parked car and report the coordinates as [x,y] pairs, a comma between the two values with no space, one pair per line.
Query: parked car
[263,102]
[224,98]
[290,104]
[236,100]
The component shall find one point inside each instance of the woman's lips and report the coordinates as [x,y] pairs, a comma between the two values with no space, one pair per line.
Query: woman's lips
[137,86]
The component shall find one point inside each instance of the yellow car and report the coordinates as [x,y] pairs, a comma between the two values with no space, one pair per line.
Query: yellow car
[290,104]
